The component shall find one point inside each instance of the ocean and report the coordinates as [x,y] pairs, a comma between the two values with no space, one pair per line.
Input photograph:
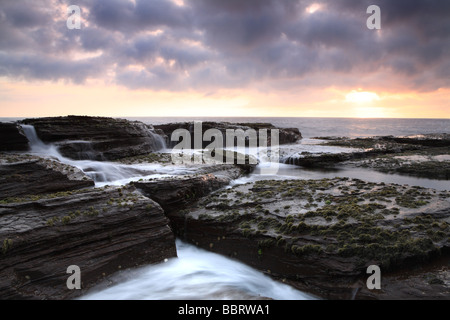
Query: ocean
[322,127]
[336,127]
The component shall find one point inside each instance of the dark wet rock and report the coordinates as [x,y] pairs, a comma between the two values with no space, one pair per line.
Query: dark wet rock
[426,140]
[96,138]
[390,142]
[363,149]
[427,282]
[85,150]
[176,193]
[422,167]
[320,160]
[426,169]
[321,235]
[100,230]
[287,135]
[386,154]
[22,174]
[426,156]
[12,139]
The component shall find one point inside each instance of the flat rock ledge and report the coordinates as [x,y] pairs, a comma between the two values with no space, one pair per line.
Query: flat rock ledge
[99,230]
[96,138]
[24,174]
[321,235]
[425,156]
[12,139]
[174,194]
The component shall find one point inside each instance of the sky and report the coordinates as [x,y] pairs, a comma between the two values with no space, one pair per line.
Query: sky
[224,58]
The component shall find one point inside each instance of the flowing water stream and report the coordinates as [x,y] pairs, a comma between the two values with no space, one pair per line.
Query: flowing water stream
[195,274]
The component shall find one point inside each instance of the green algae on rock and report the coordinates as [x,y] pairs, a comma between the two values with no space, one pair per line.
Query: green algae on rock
[320,231]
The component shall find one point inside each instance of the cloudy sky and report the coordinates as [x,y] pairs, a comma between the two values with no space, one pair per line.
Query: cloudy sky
[225,58]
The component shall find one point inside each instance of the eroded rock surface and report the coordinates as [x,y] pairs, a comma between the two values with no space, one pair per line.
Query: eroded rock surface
[96,138]
[321,235]
[22,174]
[426,156]
[100,230]
[11,138]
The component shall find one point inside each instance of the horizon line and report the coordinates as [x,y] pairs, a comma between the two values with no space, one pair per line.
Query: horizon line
[212,117]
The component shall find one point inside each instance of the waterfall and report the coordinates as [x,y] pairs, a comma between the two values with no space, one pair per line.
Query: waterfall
[100,172]
[159,141]
[36,144]
[34,141]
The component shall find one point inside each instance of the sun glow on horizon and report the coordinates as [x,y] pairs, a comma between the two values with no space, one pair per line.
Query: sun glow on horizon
[46,98]
[365,104]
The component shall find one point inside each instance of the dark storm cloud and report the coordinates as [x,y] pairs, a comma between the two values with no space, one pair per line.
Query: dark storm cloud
[93,39]
[398,11]
[126,15]
[17,16]
[208,44]
[24,14]
[239,25]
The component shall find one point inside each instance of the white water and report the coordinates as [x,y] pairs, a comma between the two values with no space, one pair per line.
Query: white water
[103,173]
[36,144]
[160,143]
[196,274]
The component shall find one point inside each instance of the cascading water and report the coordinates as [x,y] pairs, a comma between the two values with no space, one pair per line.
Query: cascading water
[196,274]
[33,140]
[101,172]
[36,144]
[159,142]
